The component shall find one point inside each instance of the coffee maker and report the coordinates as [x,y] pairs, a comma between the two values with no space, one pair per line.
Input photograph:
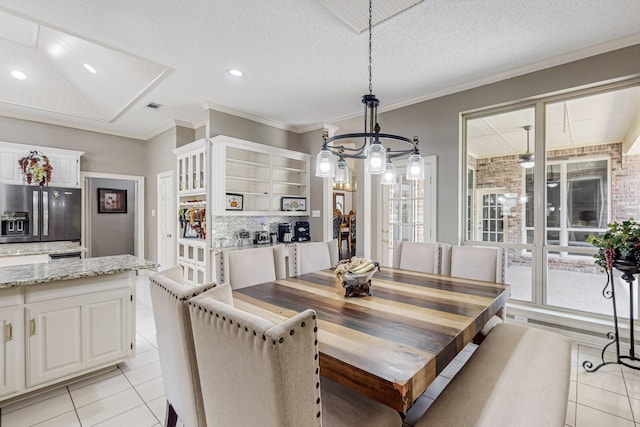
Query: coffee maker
[284,232]
[301,232]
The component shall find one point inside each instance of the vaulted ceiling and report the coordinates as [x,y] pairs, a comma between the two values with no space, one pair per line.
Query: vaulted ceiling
[304,62]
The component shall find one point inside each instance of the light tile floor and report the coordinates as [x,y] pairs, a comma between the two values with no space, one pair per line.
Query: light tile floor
[132,394]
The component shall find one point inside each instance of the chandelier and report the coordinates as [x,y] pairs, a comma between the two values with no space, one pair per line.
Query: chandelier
[377,157]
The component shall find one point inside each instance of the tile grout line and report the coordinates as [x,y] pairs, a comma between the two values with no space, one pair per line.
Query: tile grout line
[141,398]
[75,409]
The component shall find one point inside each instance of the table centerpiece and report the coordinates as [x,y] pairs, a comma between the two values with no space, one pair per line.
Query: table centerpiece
[355,275]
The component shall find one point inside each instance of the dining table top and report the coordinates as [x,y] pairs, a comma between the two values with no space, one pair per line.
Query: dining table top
[392,344]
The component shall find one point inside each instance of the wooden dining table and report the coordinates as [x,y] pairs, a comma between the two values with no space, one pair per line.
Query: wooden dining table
[391,345]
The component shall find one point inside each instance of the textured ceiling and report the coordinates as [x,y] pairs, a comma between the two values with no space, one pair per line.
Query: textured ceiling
[303,66]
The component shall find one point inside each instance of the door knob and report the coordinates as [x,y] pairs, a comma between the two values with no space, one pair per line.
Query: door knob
[169,235]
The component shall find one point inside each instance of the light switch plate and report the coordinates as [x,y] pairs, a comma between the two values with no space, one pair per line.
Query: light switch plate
[315,213]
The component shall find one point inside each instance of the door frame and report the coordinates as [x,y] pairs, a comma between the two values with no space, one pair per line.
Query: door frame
[139,224]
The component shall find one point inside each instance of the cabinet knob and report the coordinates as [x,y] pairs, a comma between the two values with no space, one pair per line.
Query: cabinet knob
[169,235]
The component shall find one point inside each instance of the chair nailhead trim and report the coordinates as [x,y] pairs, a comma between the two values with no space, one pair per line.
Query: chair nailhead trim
[302,324]
[318,415]
[292,332]
[281,340]
[318,384]
[317,401]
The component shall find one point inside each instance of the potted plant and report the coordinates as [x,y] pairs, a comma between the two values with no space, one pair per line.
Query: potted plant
[620,245]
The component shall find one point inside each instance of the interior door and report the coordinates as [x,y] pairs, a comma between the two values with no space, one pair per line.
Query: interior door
[409,210]
[166,220]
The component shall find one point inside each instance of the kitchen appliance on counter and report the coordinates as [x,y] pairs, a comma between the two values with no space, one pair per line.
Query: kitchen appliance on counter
[301,232]
[39,214]
[244,237]
[261,237]
[284,232]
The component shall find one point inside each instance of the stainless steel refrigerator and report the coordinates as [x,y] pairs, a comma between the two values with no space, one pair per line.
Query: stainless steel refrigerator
[35,214]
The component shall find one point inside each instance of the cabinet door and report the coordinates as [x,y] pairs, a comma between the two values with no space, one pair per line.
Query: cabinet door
[11,358]
[69,335]
[55,340]
[66,171]
[106,326]
[9,168]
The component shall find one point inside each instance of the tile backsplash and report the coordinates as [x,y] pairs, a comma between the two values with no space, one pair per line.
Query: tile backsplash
[224,229]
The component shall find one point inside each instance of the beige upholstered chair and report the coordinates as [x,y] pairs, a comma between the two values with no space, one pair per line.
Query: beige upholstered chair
[178,364]
[424,257]
[248,267]
[480,263]
[313,256]
[257,373]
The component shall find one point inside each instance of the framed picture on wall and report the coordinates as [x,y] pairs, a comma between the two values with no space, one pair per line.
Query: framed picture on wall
[112,200]
[293,204]
[338,202]
[233,202]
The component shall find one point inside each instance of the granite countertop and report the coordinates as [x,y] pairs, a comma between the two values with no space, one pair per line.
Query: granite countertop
[37,248]
[67,269]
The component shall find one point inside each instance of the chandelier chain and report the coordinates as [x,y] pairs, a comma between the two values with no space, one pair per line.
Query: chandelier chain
[370,12]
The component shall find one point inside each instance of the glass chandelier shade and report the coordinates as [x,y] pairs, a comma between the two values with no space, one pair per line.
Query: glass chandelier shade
[325,164]
[389,175]
[376,159]
[415,167]
[343,174]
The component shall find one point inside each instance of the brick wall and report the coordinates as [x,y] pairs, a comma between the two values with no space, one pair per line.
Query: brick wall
[504,172]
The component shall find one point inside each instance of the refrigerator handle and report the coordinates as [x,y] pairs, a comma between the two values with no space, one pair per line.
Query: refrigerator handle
[36,213]
[45,213]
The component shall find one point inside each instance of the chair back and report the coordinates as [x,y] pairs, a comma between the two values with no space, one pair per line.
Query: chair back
[422,256]
[248,267]
[313,256]
[478,263]
[255,372]
[337,223]
[169,296]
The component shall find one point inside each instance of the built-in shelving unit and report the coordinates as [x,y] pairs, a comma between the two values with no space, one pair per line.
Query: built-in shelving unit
[261,174]
[192,211]
[226,177]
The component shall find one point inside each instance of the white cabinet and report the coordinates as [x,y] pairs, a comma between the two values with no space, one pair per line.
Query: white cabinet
[193,260]
[65,164]
[11,350]
[66,170]
[9,167]
[192,166]
[55,340]
[261,174]
[12,344]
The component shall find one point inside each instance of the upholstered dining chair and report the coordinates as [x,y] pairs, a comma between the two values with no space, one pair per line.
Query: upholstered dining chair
[169,296]
[422,256]
[313,256]
[480,263]
[257,373]
[248,267]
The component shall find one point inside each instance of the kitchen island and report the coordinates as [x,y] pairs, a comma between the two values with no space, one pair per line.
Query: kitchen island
[63,319]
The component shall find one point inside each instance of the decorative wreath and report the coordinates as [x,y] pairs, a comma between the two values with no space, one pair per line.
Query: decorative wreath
[36,168]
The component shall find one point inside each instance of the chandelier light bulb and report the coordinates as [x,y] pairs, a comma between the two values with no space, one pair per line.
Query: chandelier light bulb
[377,159]
[389,175]
[415,167]
[325,164]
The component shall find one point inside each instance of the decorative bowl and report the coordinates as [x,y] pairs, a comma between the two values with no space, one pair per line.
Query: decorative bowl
[358,283]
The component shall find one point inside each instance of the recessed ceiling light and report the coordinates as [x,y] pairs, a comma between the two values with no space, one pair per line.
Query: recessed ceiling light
[90,68]
[236,73]
[18,75]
